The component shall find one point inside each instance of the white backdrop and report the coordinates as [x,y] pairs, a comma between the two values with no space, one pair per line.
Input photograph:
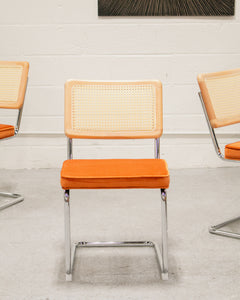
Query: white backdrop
[66,39]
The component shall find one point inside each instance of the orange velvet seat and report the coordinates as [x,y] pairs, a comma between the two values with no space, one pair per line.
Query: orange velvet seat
[114,173]
[6,131]
[232,151]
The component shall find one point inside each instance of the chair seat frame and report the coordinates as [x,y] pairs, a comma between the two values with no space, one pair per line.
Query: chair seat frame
[70,249]
[9,199]
[216,229]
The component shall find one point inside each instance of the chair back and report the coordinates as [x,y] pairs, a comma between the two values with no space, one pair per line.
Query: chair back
[221,96]
[113,110]
[13,82]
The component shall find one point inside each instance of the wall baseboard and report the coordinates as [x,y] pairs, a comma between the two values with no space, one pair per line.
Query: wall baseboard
[28,151]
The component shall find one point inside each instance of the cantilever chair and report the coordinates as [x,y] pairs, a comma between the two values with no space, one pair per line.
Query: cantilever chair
[114,110]
[13,83]
[220,98]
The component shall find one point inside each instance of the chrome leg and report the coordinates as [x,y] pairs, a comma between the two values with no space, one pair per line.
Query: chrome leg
[164,235]
[215,229]
[85,244]
[67,236]
[162,258]
[10,199]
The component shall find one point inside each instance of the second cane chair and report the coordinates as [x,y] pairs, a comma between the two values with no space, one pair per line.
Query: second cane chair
[114,110]
[220,98]
[13,83]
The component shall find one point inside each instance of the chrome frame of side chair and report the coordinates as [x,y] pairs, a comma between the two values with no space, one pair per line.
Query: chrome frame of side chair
[215,229]
[162,256]
[12,198]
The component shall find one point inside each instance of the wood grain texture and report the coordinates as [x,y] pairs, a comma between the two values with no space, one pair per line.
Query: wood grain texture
[165,7]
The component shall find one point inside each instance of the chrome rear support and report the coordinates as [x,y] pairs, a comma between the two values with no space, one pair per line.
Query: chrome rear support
[157,148]
[19,118]
[69,149]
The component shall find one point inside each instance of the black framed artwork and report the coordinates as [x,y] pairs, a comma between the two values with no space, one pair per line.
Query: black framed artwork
[166,7]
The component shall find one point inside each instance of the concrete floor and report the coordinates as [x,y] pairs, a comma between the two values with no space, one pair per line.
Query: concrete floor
[202,266]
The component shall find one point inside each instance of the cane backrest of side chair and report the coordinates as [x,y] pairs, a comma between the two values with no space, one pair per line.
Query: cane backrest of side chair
[113,109]
[221,95]
[13,82]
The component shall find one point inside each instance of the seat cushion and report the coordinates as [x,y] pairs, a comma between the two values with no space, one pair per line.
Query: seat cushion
[232,151]
[114,174]
[6,131]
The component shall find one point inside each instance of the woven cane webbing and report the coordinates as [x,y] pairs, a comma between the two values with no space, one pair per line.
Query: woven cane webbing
[114,108]
[224,93]
[10,80]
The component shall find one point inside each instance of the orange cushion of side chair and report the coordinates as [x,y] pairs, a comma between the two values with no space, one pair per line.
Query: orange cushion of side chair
[232,151]
[6,131]
[114,173]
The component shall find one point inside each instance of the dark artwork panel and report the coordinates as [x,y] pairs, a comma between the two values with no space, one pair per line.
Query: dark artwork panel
[166,7]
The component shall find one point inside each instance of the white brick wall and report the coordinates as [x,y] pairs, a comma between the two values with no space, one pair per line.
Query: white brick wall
[66,39]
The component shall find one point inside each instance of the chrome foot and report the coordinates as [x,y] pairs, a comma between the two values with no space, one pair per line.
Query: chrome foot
[68,277]
[164,274]
[215,229]
[10,199]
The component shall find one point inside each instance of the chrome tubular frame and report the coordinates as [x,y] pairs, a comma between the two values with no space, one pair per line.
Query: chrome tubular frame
[19,118]
[215,229]
[162,256]
[12,198]
[157,148]
[213,135]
